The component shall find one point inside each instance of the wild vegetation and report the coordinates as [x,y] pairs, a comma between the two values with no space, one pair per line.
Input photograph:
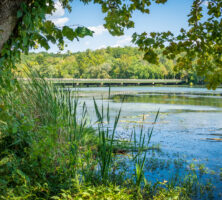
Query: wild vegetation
[48,151]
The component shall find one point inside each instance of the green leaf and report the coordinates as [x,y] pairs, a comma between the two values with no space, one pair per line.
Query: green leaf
[83,31]
[14,129]
[19,13]
[69,33]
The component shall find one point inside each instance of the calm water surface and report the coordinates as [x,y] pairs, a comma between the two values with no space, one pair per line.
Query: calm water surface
[189,124]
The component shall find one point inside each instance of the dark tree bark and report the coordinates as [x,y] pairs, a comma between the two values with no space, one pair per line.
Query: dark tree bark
[8,18]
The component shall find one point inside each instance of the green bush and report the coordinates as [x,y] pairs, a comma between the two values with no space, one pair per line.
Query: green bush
[101,192]
[41,140]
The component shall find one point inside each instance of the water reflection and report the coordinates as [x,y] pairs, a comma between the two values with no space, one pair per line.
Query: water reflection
[177,99]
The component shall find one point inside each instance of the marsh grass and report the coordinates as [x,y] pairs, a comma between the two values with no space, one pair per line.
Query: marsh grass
[140,157]
[106,135]
[48,149]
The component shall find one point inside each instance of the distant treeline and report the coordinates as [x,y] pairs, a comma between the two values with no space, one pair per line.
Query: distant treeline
[110,63]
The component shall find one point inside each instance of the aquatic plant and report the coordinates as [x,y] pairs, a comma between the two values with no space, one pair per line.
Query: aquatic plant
[139,145]
[106,139]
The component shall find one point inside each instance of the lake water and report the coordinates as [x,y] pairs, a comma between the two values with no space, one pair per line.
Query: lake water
[189,125]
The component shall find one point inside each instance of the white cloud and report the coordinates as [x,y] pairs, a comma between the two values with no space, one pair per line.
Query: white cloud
[60,21]
[87,43]
[98,30]
[205,3]
[102,47]
[123,41]
[59,12]
[57,16]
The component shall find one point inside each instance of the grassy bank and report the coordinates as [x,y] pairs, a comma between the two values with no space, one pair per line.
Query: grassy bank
[49,150]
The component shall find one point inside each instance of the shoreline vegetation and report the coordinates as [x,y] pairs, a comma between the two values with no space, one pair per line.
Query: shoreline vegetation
[49,152]
[108,63]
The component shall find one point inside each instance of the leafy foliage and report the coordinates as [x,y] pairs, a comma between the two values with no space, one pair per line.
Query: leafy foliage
[33,29]
[100,192]
[39,141]
[200,45]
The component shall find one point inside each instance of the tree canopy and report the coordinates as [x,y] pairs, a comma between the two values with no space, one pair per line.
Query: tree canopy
[201,44]
[112,63]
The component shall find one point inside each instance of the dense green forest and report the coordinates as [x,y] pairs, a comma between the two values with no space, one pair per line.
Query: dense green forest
[117,63]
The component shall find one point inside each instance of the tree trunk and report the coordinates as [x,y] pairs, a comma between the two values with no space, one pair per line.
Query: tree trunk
[8,18]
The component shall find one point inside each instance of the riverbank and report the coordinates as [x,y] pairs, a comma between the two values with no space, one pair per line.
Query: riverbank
[49,152]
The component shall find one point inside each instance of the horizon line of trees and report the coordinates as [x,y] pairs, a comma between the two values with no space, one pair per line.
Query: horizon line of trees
[109,63]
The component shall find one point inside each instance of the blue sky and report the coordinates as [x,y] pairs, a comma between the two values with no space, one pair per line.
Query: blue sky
[170,16]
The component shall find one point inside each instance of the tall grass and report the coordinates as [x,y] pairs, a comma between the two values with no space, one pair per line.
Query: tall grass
[140,145]
[40,127]
[106,134]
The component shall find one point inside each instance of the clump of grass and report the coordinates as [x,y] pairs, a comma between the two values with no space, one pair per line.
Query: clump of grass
[106,135]
[140,145]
